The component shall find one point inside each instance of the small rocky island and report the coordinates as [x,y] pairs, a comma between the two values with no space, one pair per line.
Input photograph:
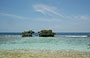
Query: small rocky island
[42,33]
[27,33]
[46,33]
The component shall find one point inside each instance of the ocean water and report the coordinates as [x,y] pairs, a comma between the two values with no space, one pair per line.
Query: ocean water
[59,42]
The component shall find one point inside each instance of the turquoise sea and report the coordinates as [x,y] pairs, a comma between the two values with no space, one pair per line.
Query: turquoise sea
[59,42]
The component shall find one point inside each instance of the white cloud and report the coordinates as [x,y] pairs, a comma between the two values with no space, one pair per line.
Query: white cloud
[13,16]
[46,10]
[78,17]
[84,17]
[50,10]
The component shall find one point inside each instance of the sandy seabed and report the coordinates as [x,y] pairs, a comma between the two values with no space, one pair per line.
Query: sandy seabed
[43,54]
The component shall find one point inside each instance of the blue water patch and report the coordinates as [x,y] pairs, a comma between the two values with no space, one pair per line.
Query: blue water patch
[74,41]
[73,33]
[57,33]
[52,43]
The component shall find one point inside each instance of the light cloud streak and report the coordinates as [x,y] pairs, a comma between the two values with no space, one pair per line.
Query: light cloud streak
[50,10]
[47,10]
[82,17]
[13,16]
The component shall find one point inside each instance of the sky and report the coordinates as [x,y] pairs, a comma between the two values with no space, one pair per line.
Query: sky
[58,15]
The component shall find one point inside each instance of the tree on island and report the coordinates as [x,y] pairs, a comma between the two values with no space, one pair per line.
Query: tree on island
[27,33]
[46,33]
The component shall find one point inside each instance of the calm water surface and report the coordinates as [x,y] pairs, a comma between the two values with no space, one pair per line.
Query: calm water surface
[44,43]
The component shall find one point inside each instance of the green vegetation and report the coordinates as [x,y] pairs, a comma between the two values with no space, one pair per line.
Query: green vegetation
[42,33]
[89,45]
[46,33]
[27,33]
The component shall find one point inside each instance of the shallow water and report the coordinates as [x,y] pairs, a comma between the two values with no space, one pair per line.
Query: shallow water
[45,43]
